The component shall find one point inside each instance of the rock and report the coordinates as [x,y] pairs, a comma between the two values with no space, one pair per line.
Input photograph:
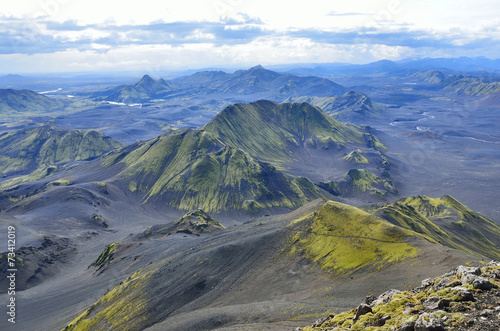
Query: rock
[482,284]
[384,297]
[427,282]
[464,293]
[320,322]
[381,321]
[369,299]
[428,322]
[434,303]
[443,283]
[362,310]
[407,326]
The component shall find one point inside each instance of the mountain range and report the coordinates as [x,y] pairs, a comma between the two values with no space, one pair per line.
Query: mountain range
[257,82]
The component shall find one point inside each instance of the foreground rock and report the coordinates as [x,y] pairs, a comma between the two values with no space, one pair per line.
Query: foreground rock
[468,298]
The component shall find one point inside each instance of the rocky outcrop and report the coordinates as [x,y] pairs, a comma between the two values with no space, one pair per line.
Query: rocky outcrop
[467,298]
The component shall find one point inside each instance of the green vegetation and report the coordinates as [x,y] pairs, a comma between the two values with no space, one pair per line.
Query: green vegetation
[122,308]
[446,221]
[342,238]
[366,181]
[106,255]
[191,169]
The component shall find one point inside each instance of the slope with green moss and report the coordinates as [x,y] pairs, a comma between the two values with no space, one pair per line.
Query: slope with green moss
[43,147]
[446,221]
[342,238]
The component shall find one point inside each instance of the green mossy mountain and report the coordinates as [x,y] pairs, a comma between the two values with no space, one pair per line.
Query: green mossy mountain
[273,131]
[26,101]
[43,147]
[446,221]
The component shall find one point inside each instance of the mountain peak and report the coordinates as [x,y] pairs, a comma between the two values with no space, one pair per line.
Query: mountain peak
[258,66]
[146,78]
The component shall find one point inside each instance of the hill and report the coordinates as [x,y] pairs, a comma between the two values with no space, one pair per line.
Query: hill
[26,101]
[42,150]
[267,270]
[472,86]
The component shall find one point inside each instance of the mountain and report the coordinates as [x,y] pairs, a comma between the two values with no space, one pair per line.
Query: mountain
[268,270]
[26,101]
[252,84]
[141,91]
[42,150]
[351,106]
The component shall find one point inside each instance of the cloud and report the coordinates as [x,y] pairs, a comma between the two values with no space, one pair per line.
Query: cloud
[234,36]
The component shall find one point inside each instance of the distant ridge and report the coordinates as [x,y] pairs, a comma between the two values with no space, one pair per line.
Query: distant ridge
[24,101]
[257,82]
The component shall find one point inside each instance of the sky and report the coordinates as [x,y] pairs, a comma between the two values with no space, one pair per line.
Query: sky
[38,36]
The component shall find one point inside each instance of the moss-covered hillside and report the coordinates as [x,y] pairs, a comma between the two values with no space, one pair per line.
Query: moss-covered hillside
[41,150]
[447,221]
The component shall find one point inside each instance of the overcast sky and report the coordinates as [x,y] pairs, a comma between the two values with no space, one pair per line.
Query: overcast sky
[149,35]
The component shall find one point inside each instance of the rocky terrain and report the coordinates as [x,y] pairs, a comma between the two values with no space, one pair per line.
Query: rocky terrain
[467,298]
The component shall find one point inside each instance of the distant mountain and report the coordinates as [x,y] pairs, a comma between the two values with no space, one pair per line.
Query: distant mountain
[472,86]
[351,106]
[433,77]
[257,83]
[43,148]
[143,90]
[26,101]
